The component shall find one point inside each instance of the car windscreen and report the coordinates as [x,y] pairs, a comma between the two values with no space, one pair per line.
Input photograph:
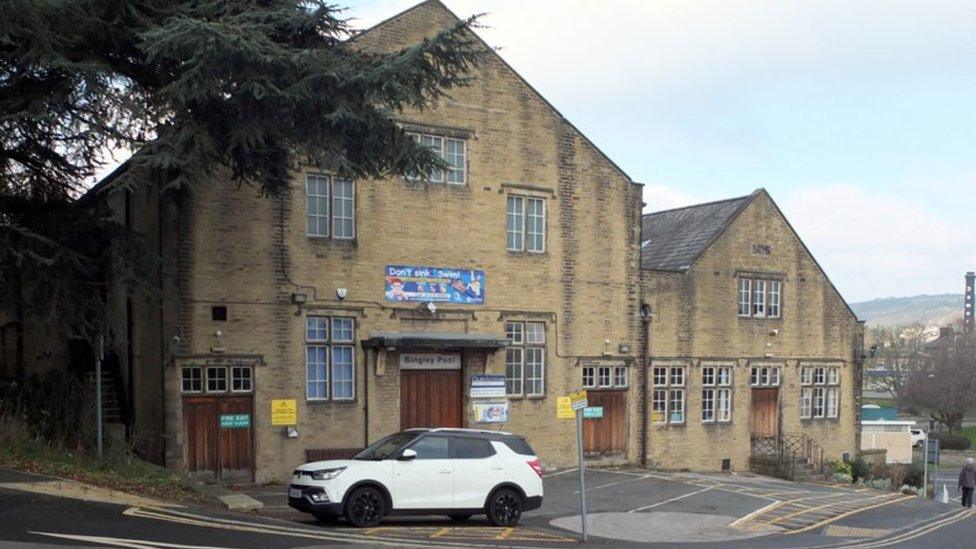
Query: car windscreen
[384,447]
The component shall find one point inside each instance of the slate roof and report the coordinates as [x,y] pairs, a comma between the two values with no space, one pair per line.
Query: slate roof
[672,240]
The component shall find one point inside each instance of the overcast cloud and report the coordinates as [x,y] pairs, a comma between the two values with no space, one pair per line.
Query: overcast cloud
[858,117]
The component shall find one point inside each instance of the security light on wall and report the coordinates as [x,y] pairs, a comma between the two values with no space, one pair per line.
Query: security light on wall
[341,293]
[431,307]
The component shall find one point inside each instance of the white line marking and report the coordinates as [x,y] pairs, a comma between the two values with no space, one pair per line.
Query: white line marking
[669,500]
[619,482]
[755,513]
[123,542]
[547,475]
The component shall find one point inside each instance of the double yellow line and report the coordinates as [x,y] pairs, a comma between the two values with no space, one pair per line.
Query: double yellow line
[915,534]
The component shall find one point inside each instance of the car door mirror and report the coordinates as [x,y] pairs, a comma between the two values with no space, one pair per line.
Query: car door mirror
[407,455]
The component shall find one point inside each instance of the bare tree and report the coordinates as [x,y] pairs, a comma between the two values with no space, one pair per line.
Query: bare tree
[899,351]
[944,384]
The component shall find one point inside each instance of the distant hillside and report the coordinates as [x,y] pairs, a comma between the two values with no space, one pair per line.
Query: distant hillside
[930,310]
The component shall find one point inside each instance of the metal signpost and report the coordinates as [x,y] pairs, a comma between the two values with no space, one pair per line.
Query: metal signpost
[578,401]
[98,391]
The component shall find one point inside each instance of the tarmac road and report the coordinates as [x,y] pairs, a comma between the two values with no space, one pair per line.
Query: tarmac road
[628,508]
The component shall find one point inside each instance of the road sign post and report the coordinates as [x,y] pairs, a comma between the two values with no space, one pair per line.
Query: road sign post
[578,401]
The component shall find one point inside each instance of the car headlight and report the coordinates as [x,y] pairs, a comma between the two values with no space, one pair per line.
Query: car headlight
[327,474]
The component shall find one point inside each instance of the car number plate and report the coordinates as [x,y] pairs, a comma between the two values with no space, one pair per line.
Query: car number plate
[294,493]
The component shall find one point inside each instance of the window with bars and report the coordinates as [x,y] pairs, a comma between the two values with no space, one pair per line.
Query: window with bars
[452,151]
[604,377]
[819,392]
[668,397]
[329,358]
[330,207]
[716,394]
[525,224]
[759,298]
[525,358]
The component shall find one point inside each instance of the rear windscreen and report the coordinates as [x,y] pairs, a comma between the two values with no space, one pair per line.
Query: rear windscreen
[518,445]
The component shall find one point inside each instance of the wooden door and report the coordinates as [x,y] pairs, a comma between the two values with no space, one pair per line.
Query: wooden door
[764,420]
[216,451]
[430,398]
[606,435]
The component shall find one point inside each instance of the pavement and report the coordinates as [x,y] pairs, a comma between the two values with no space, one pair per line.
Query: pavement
[627,508]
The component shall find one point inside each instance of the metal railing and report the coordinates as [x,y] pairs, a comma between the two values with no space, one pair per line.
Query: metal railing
[789,449]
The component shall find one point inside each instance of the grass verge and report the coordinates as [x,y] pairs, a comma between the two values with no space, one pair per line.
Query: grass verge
[116,470]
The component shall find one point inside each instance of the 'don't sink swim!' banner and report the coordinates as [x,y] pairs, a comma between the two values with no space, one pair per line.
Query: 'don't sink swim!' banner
[437,284]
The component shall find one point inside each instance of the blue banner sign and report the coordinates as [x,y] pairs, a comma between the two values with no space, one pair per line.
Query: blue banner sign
[437,284]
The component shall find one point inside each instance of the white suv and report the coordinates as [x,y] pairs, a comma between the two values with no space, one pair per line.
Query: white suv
[453,472]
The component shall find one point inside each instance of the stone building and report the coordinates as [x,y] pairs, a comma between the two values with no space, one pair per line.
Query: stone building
[369,305]
[750,342]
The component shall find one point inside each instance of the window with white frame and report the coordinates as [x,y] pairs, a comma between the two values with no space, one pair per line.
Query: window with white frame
[759,297]
[819,392]
[330,207]
[451,150]
[525,224]
[329,358]
[604,376]
[668,398]
[764,376]
[525,358]
[716,393]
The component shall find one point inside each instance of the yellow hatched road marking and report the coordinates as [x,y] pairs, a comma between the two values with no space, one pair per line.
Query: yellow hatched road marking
[505,533]
[441,532]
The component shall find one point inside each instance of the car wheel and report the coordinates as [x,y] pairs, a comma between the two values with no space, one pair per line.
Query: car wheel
[365,507]
[459,518]
[504,508]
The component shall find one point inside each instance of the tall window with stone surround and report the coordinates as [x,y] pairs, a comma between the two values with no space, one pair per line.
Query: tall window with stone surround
[525,359]
[525,224]
[668,396]
[716,394]
[330,207]
[451,150]
[329,358]
[819,392]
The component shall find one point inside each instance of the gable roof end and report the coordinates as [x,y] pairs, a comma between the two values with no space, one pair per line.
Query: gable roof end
[672,240]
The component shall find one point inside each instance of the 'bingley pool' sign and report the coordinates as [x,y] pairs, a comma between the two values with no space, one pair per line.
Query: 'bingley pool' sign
[437,284]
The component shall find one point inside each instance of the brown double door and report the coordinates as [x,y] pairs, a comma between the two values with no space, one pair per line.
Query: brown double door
[764,419]
[219,440]
[430,398]
[608,434]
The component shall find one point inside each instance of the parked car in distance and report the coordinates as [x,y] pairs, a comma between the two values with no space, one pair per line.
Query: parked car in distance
[918,437]
[453,472]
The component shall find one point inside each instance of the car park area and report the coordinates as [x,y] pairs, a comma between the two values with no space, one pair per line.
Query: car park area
[627,506]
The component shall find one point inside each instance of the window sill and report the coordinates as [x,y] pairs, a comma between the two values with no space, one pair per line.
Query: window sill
[324,402]
[329,241]
[761,318]
[527,254]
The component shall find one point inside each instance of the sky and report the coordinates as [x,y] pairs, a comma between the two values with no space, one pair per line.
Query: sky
[858,117]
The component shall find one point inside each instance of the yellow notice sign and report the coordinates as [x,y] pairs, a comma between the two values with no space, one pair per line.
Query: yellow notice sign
[564,408]
[578,400]
[284,412]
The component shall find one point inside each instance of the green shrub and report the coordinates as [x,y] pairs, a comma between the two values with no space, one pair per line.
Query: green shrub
[948,441]
[879,471]
[859,469]
[879,484]
[839,467]
[916,475]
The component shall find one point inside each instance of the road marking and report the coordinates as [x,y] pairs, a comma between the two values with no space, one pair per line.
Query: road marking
[441,532]
[619,482]
[505,533]
[651,506]
[547,475]
[124,542]
[805,510]
[837,531]
[466,533]
[755,513]
[927,529]
[849,513]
